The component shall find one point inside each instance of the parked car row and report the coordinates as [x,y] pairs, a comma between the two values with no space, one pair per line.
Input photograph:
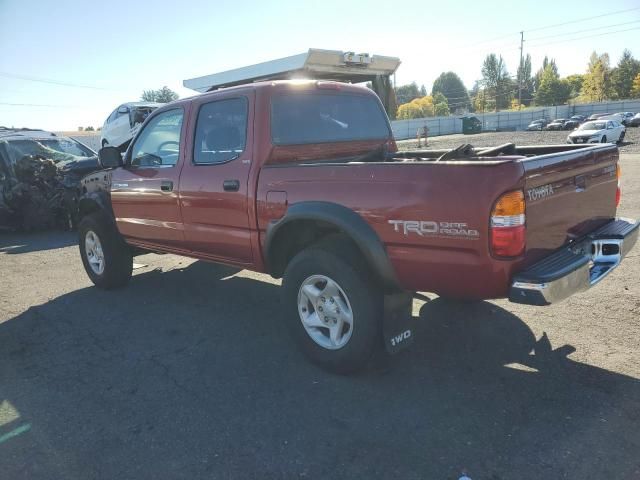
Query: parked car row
[622,119]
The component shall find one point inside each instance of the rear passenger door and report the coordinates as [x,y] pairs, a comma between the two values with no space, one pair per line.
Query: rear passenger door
[214,182]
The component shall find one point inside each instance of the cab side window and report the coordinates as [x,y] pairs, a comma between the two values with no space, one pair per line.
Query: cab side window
[221,131]
[158,145]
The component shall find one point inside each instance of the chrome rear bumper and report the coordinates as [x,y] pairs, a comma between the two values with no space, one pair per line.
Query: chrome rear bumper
[577,266]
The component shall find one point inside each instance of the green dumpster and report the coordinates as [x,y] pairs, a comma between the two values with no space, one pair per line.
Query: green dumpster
[471,124]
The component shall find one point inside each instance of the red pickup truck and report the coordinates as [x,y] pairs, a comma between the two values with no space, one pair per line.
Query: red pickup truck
[303,180]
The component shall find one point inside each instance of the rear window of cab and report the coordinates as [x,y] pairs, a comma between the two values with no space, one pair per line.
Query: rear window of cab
[303,118]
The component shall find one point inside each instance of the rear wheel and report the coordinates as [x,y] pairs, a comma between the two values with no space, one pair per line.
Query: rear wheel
[332,309]
[621,139]
[106,257]
[603,139]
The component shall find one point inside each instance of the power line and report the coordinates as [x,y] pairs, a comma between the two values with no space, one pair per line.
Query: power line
[52,82]
[583,30]
[582,19]
[583,37]
[40,105]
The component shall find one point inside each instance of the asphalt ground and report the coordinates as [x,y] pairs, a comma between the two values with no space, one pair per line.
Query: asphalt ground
[188,374]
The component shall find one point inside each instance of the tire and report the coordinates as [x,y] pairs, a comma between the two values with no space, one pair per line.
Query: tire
[104,143]
[117,263]
[357,295]
[603,139]
[621,139]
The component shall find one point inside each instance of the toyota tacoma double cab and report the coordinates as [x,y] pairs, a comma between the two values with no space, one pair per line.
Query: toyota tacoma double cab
[303,180]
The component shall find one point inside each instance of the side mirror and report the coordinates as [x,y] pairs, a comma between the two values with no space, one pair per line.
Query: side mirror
[110,157]
[123,110]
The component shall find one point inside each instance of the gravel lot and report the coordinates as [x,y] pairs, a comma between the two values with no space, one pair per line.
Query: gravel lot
[188,374]
[631,142]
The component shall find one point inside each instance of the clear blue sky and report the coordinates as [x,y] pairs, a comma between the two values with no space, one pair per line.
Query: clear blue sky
[123,47]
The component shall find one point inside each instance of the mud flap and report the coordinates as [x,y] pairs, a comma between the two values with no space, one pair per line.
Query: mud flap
[398,322]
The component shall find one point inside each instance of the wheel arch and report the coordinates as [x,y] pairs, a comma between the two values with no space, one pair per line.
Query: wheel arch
[306,223]
[95,202]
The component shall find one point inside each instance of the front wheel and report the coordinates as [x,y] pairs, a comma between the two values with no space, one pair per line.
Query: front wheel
[104,143]
[106,257]
[333,310]
[603,139]
[621,139]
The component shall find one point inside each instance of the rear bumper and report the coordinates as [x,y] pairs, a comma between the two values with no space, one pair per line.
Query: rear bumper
[575,267]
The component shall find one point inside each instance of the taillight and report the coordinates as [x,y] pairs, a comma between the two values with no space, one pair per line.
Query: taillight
[618,190]
[508,225]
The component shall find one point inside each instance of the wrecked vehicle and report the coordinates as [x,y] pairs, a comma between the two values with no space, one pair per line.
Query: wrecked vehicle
[124,122]
[40,176]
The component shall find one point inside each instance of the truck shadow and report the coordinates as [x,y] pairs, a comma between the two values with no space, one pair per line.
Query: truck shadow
[15,243]
[189,374]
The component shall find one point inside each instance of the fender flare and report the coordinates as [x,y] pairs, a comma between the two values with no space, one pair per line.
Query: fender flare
[349,223]
[96,201]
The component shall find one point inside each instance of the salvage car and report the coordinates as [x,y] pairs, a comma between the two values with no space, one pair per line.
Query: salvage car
[599,131]
[303,180]
[635,121]
[123,123]
[40,176]
[557,124]
[626,117]
[537,124]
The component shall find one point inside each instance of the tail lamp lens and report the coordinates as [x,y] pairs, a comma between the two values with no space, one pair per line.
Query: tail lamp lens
[508,225]
[618,189]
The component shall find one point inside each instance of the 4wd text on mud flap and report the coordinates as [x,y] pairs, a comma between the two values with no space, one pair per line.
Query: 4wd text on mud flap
[425,227]
[397,339]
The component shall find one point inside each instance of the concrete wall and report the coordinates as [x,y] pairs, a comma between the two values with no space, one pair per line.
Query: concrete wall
[403,129]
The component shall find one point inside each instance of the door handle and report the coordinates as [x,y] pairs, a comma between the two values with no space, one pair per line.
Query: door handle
[231,185]
[166,185]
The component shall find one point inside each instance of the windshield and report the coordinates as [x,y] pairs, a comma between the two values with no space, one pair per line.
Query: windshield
[57,149]
[593,126]
[320,118]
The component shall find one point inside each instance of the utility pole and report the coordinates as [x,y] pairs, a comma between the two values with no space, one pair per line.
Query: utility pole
[520,71]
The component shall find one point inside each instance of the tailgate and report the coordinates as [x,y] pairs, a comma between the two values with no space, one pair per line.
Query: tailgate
[568,194]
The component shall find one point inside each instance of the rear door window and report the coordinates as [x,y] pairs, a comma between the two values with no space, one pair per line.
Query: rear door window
[221,131]
[321,118]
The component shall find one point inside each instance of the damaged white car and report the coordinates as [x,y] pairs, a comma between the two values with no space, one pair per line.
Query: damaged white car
[124,122]
[598,131]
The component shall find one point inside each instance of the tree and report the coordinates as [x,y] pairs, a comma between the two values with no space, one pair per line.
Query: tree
[635,88]
[496,81]
[417,108]
[595,87]
[525,80]
[575,82]
[623,74]
[162,95]
[450,85]
[89,129]
[545,63]
[552,90]
[80,129]
[406,93]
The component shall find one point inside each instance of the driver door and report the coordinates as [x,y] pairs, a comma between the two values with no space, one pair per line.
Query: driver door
[144,193]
